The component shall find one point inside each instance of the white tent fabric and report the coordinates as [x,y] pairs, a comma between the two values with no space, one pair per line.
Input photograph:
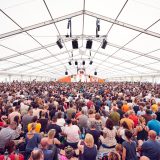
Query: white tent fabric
[29,30]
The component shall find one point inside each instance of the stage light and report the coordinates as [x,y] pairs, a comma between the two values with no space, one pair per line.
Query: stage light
[104,44]
[59,44]
[83,63]
[90,62]
[76,63]
[95,73]
[66,73]
[75,44]
[89,44]
[69,63]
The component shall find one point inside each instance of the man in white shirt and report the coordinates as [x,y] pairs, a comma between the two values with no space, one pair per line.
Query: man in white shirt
[72,132]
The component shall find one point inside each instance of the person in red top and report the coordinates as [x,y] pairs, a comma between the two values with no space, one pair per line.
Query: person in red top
[2,122]
[134,118]
[11,154]
[90,104]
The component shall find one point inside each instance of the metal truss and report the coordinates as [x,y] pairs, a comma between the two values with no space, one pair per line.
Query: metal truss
[42,24]
[124,60]
[85,12]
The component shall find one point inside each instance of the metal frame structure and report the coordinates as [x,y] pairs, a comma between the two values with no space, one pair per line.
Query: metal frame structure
[99,65]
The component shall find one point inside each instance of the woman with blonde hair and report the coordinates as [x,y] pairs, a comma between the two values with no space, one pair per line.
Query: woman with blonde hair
[141,131]
[51,139]
[87,148]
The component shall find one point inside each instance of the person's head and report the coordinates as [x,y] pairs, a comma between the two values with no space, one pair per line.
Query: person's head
[13,125]
[37,154]
[68,121]
[148,111]
[152,135]
[125,125]
[69,152]
[16,119]
[51,133]
[10,110]
[54,119]
[113,156]
[34,119]
[97,116]
[90,111]
[10,146]
[89,140]
[128,134]
[144,158]
[44,143]
[126,115]
[154,116]
[59,115]
[119,148]
[30,111]
[142,120]
[33,126]
[109,124]
[132,112]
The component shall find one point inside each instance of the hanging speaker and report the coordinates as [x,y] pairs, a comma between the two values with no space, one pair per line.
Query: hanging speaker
[66,73]
[89,44]
[59,44]
[95,73]
[76,63]
[90,62]
[104,44]
[83,63]
[75,44]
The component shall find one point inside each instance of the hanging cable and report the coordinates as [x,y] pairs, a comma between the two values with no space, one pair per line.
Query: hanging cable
[97,27]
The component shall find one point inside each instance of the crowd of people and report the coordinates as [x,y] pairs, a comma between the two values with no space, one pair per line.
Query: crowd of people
[86,121]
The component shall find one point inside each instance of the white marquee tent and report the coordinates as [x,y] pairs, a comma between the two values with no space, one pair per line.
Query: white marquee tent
[29,30]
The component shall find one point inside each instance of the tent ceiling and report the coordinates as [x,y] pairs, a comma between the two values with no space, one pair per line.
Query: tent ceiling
[30,28]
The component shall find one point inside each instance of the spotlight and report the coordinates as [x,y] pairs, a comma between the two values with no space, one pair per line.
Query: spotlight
[95,73]
[69,63]
[59,44]
[90,62]
[76,63]
[104,44]
[89,44]
[75,44]
[83,63]
[66,73]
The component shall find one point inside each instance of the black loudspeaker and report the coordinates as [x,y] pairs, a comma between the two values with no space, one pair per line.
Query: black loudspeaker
[104,44]
[89,44]
[95,73]
[76,63]
[75,44]
[69,63]
[59,44]
[66,73]
[83,63]
[90,62]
